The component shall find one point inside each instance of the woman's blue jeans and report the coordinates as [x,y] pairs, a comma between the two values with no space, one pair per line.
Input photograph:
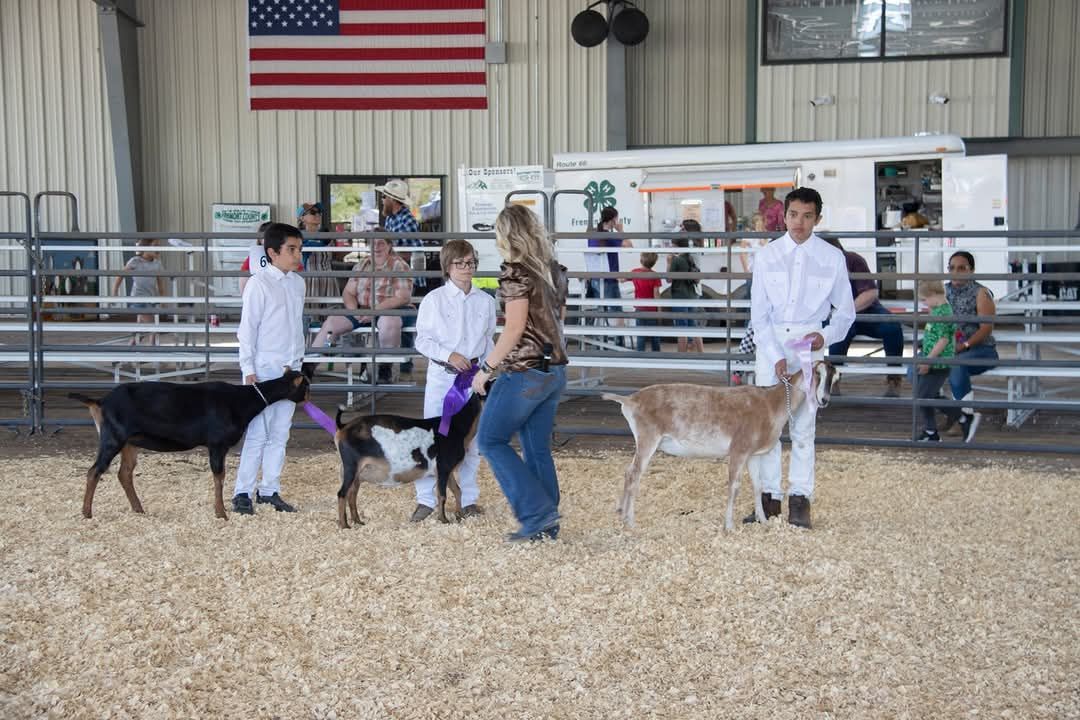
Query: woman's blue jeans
[960,375]
[524,403]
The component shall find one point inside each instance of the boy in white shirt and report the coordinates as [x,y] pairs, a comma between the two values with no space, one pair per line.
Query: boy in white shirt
[455,328]
[271,338]
[798,280]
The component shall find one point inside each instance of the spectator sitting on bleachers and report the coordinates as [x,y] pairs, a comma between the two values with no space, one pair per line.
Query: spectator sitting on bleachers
[372,295]
[865,292]
[974,340]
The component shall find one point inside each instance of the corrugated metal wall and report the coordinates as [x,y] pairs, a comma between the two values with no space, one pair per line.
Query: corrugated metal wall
[686,84]
[1052,68]
[881,99]
[54,131]
[202,145]
[1045,191]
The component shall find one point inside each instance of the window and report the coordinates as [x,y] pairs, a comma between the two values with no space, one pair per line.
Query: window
[354,206]
[842,30]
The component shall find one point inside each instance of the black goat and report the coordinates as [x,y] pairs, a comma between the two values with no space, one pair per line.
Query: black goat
[391,449]
[170,417]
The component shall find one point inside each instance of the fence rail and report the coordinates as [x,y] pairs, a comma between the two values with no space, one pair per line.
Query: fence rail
[200,320]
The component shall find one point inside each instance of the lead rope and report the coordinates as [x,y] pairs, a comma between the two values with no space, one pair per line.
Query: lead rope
[266,423]
[787,395]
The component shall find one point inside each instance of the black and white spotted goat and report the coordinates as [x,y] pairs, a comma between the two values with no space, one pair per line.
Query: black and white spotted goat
[390,450]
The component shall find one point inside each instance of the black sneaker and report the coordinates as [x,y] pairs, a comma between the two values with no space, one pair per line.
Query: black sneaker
[969,423]
[241,505]
[275,500]
[386,374]
[928,436]
[548,533]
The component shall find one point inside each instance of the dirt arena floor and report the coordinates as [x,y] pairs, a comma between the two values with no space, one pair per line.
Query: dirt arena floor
[930,587]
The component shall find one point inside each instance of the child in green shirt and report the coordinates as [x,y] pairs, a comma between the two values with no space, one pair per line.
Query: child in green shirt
[937,342]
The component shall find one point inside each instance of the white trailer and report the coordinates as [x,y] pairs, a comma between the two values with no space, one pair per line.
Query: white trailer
[866,185]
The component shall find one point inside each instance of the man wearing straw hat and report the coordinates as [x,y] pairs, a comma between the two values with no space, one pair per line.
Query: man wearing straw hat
[398,218]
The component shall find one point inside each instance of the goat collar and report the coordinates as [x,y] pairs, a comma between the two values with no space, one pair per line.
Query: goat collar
[256,386]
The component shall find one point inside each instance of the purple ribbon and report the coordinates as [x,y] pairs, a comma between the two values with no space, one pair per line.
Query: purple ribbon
[324,420]
[456,397]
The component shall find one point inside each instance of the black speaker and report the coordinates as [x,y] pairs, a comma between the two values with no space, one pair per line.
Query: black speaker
[589,28]
[630,26]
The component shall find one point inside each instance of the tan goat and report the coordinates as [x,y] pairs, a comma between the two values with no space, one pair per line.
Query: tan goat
[700,421]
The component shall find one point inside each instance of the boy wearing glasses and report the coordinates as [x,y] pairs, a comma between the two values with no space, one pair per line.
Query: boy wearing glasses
[455,329]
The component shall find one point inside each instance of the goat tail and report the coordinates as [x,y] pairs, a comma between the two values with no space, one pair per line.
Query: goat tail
[337,419]
[85,399]
[621,399]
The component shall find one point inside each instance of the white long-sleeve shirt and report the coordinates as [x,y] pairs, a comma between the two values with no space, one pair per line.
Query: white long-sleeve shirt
[799,284]
[450,321]
[271,332]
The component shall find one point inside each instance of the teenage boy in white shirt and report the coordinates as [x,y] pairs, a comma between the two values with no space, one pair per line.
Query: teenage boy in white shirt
[271,336]
[798,280]
[455,328]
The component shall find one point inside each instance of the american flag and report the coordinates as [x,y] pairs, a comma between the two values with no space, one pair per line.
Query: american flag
[366,55]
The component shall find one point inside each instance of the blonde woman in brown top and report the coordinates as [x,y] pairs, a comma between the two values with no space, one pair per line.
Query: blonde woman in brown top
[529,366]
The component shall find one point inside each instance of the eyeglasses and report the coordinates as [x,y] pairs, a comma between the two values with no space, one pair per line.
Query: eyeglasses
[464,264]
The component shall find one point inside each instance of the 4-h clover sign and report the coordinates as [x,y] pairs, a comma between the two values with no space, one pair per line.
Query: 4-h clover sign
[601,195]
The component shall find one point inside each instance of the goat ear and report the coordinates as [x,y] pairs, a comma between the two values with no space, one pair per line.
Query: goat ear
[308,370]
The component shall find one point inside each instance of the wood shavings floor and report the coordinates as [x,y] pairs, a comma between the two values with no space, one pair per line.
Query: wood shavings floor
[926,589]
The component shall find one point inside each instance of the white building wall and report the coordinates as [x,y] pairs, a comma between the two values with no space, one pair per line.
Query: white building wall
[1045,191]
[1052,68]
[202,144]
[883,99]
[686,83]
[54,125]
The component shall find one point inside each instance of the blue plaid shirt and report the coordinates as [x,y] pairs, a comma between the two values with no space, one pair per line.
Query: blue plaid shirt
[403,221]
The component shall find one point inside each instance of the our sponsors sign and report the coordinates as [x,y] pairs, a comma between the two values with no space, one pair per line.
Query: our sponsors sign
[484,193]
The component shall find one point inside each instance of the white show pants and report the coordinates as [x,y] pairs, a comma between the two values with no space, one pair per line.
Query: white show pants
[264,446]
[437,385]
[766,469]
[470,491]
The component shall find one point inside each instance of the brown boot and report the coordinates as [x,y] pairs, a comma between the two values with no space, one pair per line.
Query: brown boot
[799,511]
[770,506]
